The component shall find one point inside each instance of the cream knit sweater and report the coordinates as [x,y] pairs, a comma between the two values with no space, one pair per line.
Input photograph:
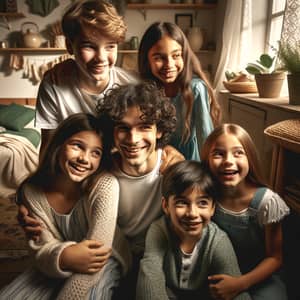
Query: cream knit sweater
[101,208]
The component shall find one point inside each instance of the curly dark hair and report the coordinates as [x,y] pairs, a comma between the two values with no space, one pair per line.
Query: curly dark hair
[156,108]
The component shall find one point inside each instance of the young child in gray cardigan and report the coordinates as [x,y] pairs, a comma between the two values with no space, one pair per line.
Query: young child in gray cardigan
[184,247]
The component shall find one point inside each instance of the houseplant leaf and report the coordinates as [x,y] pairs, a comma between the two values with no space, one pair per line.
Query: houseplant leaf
[266,60]
[255,68]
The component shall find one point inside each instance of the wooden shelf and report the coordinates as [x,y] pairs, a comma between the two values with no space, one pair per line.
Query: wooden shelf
[12,14]
[9,15]
[171,6]
[26,50]
[143,7]
[50,50]
[204,51]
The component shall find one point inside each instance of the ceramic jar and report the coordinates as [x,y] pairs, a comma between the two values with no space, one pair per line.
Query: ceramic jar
[195,38]
[31,35]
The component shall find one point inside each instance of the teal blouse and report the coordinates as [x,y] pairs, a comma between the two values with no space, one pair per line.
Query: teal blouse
[201,123]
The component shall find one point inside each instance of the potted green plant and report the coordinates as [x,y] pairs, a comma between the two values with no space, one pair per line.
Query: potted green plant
[289,60]
[268,77]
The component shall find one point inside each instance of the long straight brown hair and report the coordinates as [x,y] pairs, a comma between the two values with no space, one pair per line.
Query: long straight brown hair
[255,175]
[192,66]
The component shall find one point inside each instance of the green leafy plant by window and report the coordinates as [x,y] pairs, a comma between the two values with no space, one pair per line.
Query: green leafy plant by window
[289,57]
[265,65]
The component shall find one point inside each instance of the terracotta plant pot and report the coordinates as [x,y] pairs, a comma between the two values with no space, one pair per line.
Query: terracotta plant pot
[269,85]
[294,88]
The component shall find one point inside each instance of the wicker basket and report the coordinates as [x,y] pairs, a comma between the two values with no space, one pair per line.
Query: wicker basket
[241,87]
[286,133]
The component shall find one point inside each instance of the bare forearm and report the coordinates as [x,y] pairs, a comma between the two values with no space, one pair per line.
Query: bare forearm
[262,271]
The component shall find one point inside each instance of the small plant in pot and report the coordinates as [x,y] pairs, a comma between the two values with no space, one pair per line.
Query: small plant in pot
[268,78]
[289,60]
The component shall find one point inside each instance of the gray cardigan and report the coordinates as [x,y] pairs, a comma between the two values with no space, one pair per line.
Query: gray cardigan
[161,265]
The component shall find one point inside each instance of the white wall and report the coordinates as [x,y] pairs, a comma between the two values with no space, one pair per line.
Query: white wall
[14,86]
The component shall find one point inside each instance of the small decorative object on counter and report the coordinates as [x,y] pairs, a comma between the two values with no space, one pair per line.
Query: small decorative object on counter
[31,35]
[239,82]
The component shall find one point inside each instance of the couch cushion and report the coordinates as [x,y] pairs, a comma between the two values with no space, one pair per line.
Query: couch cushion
[15,116]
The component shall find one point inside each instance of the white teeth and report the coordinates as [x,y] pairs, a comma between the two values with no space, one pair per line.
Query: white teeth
[230,172]
[132,150]
[78,168]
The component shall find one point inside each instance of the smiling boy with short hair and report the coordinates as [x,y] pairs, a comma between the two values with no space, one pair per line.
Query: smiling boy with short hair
[184,247]
[93,30]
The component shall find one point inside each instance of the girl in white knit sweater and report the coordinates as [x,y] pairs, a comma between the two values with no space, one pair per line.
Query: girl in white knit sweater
[76,202]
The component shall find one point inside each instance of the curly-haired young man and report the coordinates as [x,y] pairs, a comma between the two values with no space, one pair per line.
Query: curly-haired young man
[141,120]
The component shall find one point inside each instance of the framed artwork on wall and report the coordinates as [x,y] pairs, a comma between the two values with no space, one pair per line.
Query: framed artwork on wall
[184,21]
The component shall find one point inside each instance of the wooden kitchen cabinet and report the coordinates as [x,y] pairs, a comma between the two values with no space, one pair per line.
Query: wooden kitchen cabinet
[285,171]
[255,114]
[285,180]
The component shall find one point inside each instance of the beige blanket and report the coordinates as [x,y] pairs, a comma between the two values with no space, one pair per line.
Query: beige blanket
[18,158]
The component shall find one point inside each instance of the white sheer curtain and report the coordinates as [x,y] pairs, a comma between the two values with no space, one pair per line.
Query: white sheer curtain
[291,22]
[236,39]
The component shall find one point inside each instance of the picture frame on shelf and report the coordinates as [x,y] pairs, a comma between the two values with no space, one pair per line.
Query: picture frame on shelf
[184,21]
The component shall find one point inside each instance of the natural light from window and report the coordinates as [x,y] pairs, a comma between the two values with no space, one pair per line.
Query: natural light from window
[275,23]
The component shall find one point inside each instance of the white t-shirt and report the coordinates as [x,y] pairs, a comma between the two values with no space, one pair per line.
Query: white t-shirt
[139,203]
[60,97]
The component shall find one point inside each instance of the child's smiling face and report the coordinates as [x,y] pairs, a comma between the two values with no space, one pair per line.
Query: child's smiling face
[95,54]
[165,60]
[189,212]
[80,155]
[228,160]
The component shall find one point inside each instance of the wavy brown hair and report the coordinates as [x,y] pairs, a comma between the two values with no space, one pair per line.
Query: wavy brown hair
[96,13]
[192,66]
[155,107]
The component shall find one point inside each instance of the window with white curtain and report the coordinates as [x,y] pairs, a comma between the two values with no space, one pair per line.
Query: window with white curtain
[247,34]
[276,11]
